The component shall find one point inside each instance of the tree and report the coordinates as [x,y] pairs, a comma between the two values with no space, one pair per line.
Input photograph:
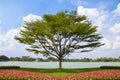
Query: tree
[4,58]
[59,35]
[51,59]
[40,59]
[15,59]
[27,58]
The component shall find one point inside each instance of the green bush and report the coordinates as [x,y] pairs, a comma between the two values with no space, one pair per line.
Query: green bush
[9,67]
[110,67]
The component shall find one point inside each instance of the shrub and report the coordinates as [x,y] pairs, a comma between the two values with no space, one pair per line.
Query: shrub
[9,67]
[110,67]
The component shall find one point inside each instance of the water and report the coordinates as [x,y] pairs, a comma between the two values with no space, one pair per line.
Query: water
[55,64]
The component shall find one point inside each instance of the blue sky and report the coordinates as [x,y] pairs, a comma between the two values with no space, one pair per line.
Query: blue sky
[103,13]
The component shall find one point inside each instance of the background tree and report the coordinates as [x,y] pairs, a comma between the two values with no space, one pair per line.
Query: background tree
[4,58]
[15,59]
[51,59]
[59,35]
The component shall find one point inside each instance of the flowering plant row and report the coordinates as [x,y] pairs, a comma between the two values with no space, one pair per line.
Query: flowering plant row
[93,75]
[27,75]
[105,79]
[59,79]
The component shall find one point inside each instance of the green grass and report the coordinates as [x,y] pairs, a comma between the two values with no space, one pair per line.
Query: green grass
[60,72]
[70,70]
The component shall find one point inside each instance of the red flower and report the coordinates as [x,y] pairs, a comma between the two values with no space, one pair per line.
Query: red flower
[76,76]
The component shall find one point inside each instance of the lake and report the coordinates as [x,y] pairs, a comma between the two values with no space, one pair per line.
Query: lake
[55,64]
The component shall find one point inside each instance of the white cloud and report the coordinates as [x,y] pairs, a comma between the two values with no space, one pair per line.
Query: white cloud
[116,28]
[90,12]
[117,10]
[100,22]
[7,41]
[116,44]
[22,28]
[10,47]
[9,44]
[95,15]
[31,18]
[107,43]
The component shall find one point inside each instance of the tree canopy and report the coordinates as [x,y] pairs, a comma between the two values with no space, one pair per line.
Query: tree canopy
[4,58]
[59,35]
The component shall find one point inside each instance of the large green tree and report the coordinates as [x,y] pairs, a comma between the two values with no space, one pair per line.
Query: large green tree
[59,35]
[4,58]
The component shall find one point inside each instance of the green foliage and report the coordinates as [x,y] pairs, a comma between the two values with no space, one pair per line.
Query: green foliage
[51,59]
[4,58]
[23,58]
[110,67]
[60,34]
[9,67]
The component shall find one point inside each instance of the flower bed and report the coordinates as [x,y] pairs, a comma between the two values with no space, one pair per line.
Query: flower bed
[25,74]
[92,75]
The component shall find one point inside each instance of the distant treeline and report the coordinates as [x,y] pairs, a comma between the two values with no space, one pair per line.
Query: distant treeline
[51,59]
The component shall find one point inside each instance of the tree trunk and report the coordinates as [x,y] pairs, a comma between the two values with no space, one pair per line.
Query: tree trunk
[60,64]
